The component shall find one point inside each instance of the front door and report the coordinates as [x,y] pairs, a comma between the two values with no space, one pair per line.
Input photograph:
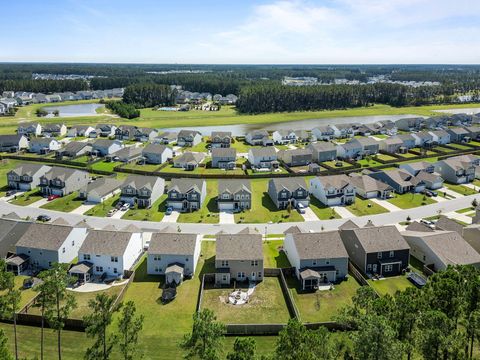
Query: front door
[374,268]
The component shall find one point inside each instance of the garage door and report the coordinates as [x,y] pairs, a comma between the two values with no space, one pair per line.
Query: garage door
[175,205]
[225,206]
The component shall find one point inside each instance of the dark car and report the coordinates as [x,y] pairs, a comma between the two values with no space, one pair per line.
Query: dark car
[11,192]
[43,218]
[168,211]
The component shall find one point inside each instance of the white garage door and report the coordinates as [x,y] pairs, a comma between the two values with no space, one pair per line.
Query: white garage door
[225,206]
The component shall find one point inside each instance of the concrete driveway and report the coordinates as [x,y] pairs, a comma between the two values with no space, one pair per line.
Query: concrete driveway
[118,214]
[8,198]
[82,209]
[309,215]
[343,212]
[387,205]
[39,203]
[172,218]
[227,217]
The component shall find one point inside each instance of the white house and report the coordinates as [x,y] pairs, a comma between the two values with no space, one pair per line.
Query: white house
[81,130]
[111,252]
[44,145]
[263,157]
[27,129]
[333,190]
[441,137]
[157,153]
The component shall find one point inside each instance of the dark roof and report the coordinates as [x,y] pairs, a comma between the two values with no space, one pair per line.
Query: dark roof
[293,230]
[9,140]
[239,247]
[172,244]
[233,185]
[224,152]
[289,183]
[10,232]
[185,185]
[349,224]
[140,181]
[377,239]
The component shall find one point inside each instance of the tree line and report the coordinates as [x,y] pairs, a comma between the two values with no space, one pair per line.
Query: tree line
[43,86]
[149,95]
[122,109]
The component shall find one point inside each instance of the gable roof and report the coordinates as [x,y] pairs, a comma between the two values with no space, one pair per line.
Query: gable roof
[418,227]
[184,185]
[263,151]
[335,181]
[172,244]
[28,169]
[140,181]
[293,230]
[104,185]
[189,156]
[233,185]
[377,239]
[320,146]
[322,245]
[44,236]
[289,183]
[102,242]
[224,152]
[10,232]
[63,173]
[155,148]
[239,247]
[349,224]
[367,183]
[445,223]
[76,146]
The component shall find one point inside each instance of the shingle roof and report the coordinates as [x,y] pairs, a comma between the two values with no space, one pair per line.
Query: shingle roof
[44,236]
[324,245]
[377,239]
[60,221]
[335,181]
[76,146]
[323,146]
[233,185]
[239,247]
[185,185]
[63,173]
[368,184]
[102,242]
[188,157]
[445,223]
[103,186]
[293,230]
[248,230]
[10,232]
[172,244]
[349,224]
[154,148]
[140,181]
[224,152]
[419,227]
[28,169]
[289,183]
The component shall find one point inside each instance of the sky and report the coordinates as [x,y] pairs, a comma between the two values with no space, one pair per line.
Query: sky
[242,31]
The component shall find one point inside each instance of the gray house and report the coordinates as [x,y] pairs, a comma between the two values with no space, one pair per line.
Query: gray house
[189,138]
[318,258]
[370,188]
[441,137]
[44,145]
[126,154]
[457,169]
[400,180]
[257,137]
[333,190]
[186,194]
[142,190]
[238,257]
[29,129]
[349,150]
[100,190]
[288,191]
[458,134]
[263,158]
[166,138]
[53,130]
[234,195]
[369,146]
[125,132]
[157,154]
[408,140]
[12,143]
[323,151]
[104,147]
[145,134]
[103,130]
[392,145]
[188,160]
[62,181]
[323,133]
[221,139]
[296,157]
[75,149]
[224,158]
[26,176]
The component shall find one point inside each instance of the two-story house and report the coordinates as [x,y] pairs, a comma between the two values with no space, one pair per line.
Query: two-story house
[221,139]
[291,191]
[62,181]
[156,153]
[103,130]
[296,157]
[100,190]
[324,133]
[224,158]
[104,147]
[145,134]
[26,176]
[349,150]
[323,151]
[44,145]
[400,180]
[457,169]
[142,190]
[187,138]
[29,129]
[458,134]
[80,130]
[263,158]
[234,195]
[333,190]
[125,132]
[282,137]
[318,258]
[440,137]
[392,145]
[166,138]
[12,143]
[369,188]
[54,130]
[423,139]
[258,137]
[186,195]
[238,257]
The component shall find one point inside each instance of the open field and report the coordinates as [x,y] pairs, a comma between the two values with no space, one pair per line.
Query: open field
[66,203]
[266,304]
[410,200]
[390,285]
[362,207]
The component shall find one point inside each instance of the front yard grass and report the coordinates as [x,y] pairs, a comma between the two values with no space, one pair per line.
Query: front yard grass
[27,198]
[465,210]
[65,203]
[263,209]
[265,306]
[461,189]
[410,200]
[363,207]
[102,209]
[390,285]
[323,212]
[208,214]
[272,256]
[155,213]
[324,305]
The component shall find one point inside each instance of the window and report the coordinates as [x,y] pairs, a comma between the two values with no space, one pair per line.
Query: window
[157,257]
[173,194]
[327,261]
[314,262]
[186,259]
[259,274]
[224,277]
[99,268]
[392,254]
[158,269]
[369,267]
[114,259]
[63,250]
[86,256]
[115,270]
[379,255]
[388,268]
[254,262]
[224,263]
[49,264]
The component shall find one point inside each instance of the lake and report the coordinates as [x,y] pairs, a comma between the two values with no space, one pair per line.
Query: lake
[469,111]
[74,110]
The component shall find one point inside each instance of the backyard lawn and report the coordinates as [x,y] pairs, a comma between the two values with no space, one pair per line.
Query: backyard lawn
[385,157]
[368,162]
[5,166]
[27,198]
[155,213]
[263,209]
[241,146]
[272,257]
[410,200]
[363,207]
[408,155]
[145,167]
[460,146]
[105,165]
[323,212]
[322,305]
[390,285]
[65,203]
[266,304]
[209,211]
[26,295]
[102,209]
[333,163]
[461,189]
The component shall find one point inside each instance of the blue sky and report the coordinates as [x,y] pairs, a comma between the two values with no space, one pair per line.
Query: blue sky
[242,31]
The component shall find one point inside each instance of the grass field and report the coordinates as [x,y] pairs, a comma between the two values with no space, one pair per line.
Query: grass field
[105,165]
[209,211]
[410,200]
[265,305]
[5,166]
[362,207]
[27,198]
[390,285]
[155,213]
[66,203]
[26,295]
[322,305]
[272,257]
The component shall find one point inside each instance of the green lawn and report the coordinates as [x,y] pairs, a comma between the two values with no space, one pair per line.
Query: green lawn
[272,256]
[465,210]
[155,213]
[363,207]
[385,157]
[26,295]
[203,170]
[322,306]
[266,304]
[145,167]
[408,155]
[242,146]
[461,189]
[323,212]
[105,165]
[66,203]
[444,149]
[27,198]
[460,146]
[102,209]
[390,285]
[332,164]
[209,211]
[263,209]
[368,162]
[410,200]
[201,147]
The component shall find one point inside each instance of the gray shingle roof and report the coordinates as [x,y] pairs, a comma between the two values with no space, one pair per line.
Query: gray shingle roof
[378,239]
[264,151]
[289,183]
[76,146]
[185,185]
[102,242]
[324,245]
[224,152]
[172,244]
[140,181]
[239,247]
[62,173]
[28,169]
[187,157]
[44,236]
[154,149]
[103,186]
[10,232]
[233,185]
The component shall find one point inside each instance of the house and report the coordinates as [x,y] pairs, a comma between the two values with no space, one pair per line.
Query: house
[369,146]
[282,137]
[318,258]
[100,190]
[302,136]
[44,145]
[145,134]
[142,190]
[103,130]
[126,154]
[46,244]
[471,234]
[125,132]
[29,129]
[224,158]
[408,141]
[432,181]
[173,255]
[423,139]
[457,169]
[156,154]
[324,133]
[234,195]
[409,124]
[187,138]
[440,137]
[189,160]
[458,134]
[104,147]
[400,180]
[343,130]
[333,190]
[13,143]
[378,250]
[263,158]
[80,130]
[75,149]
[62,181]
[392,145]
[10,232]
[258,137]
[473,132]
[221,139]
[288,191]
[238,257]
[416,167]
[166,138]
[369,188]
[439,249]
[54,130]
[26,176]
[186,195]
[349,150]
[323,151]
[110,252]
[296,157]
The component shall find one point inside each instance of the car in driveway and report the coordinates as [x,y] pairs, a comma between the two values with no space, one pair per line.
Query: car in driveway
[169,211]
[119,205]
[43,218]
[301,209]
[111,212]
[125,207]
[11,192]
[52,197]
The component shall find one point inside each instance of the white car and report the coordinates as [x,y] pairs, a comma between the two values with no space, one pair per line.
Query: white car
[125,207]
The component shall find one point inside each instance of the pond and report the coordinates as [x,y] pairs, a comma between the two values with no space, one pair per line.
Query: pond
[74,110]
[469,111]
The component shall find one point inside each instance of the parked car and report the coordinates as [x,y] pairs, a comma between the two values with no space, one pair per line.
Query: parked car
[169,211]
[301,209]
[429,223]
[111,212]
[125,207]
[11,192]
[338,164]
[52,197]
[119,205]
[43,218]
